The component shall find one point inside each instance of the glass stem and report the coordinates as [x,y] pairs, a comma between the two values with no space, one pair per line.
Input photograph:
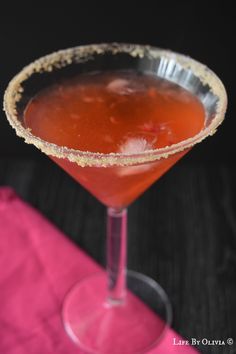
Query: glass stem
[116,254]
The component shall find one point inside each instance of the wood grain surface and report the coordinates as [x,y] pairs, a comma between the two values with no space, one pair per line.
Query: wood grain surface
[182,232]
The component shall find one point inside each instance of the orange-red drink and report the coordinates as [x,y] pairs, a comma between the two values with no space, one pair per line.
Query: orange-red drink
[115,112]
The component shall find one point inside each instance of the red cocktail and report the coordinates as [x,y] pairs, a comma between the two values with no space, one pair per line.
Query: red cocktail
[115,112]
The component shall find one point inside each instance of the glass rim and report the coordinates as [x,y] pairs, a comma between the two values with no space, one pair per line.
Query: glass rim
[64,57]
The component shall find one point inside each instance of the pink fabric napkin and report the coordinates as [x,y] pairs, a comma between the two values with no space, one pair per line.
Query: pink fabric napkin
[38,265]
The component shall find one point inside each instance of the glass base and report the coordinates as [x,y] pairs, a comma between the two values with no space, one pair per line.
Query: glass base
[98,325]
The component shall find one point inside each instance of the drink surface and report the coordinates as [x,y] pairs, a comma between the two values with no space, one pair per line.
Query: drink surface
[119,112]
[122,112]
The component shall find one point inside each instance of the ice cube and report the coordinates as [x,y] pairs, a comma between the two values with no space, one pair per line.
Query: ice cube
[120,86]
[135,146]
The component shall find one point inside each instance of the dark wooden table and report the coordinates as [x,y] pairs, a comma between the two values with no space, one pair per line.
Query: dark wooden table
[182,232]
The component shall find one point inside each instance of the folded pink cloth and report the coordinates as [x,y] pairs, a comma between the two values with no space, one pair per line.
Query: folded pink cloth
[37,267]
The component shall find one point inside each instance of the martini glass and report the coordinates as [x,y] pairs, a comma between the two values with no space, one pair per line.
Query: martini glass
[116,312]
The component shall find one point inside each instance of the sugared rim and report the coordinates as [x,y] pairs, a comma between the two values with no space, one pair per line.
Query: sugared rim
[78,54]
